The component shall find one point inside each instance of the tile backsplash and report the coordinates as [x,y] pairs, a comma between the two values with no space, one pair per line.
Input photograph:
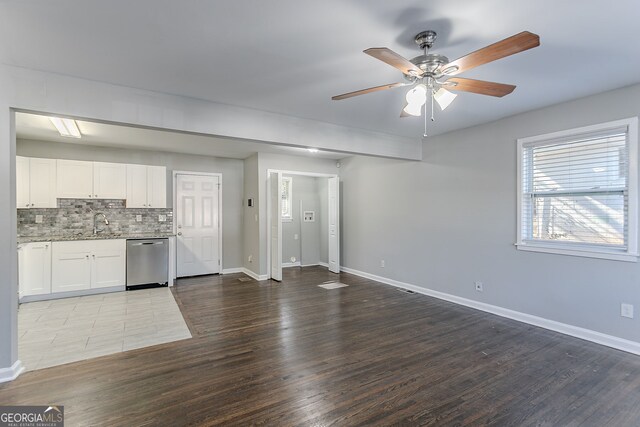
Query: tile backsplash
[75,216]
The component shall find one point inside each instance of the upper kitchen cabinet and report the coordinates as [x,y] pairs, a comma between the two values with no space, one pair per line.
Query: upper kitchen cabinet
[35,183]
[146,186]
[109,180]
[91,180]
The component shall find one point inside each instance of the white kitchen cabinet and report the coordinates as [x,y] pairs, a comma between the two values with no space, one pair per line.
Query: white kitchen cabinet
[23,199]
[109,180]
[35,183]
[157,186]
[108,268]
[88,264]
[70,266]
[91,180]
[75,179]
[34,266]
[146,186]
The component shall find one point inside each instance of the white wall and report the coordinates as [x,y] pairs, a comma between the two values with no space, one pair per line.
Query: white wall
[450,220]
[231,170]
[251,222]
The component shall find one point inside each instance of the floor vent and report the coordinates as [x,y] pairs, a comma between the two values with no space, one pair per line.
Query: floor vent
[333,285]
[244,279]
[406,291]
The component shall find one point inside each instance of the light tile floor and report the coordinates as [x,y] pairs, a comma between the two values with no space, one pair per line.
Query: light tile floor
[67,330]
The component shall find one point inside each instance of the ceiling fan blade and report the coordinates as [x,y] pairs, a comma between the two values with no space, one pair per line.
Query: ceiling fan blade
[479,86]
[509,46]
[365,91]
[390,57]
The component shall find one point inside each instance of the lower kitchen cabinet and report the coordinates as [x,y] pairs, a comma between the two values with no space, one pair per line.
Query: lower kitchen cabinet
[88,264]
[34,268]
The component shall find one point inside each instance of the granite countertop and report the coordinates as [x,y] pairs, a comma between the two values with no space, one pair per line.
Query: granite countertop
[99,236]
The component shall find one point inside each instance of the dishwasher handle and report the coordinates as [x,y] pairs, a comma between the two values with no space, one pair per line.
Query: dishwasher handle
[146,243]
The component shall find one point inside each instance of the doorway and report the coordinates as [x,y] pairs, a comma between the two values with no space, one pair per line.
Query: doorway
[303,218]
[198,222]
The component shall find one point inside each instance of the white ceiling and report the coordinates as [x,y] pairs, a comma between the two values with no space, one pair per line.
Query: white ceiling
[33,126]
[291,56]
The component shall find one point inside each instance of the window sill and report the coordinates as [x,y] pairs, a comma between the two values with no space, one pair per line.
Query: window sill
[602,254]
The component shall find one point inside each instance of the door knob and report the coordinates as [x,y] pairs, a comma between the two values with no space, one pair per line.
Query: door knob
[179,233]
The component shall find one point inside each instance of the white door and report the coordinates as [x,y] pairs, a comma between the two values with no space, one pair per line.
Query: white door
[197,220]
[35,269]
[42,183]
[275,205]
[22,182]
[109,180]
[334,225]
[108,263]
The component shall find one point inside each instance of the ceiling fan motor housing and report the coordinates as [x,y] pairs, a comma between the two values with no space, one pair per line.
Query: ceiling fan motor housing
[430,63]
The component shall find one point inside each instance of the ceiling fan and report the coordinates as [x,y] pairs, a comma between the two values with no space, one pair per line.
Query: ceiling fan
[431,74]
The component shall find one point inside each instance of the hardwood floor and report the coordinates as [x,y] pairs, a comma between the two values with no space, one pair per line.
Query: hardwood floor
[291,353]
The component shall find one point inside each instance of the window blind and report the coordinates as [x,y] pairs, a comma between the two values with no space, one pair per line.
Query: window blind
[575,189]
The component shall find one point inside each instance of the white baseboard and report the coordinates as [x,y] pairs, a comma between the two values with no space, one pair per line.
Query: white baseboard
[258,277]
[290,264]
[574,331]
[324,264]
[12,372]
[232,270]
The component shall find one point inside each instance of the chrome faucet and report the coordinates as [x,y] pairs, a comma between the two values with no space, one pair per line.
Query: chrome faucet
[95,224]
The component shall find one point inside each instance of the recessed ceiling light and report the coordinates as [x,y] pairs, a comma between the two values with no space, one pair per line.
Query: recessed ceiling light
[312,150]
[66,127]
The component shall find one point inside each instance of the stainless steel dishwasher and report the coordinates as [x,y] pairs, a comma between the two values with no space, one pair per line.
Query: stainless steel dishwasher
[147,262]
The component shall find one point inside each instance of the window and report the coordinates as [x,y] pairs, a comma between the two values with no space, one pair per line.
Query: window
[286,198]
[577,191]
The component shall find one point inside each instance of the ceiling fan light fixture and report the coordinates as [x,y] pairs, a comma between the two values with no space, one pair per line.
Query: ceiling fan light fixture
[417,95]
[444,98]
[66,127]
[413,109]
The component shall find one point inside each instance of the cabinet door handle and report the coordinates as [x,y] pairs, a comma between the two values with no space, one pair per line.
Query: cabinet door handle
[95,195]
[89,195]
[27,204]
[46,246]
[87,256]
[33,204]
[94,256]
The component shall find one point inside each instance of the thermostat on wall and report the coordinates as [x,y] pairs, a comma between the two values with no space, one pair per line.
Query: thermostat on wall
[309,216]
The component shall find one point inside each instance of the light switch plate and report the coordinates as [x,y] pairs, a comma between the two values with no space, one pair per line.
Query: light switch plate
[162,218]
[626,310]
[138,218]
[39,219]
